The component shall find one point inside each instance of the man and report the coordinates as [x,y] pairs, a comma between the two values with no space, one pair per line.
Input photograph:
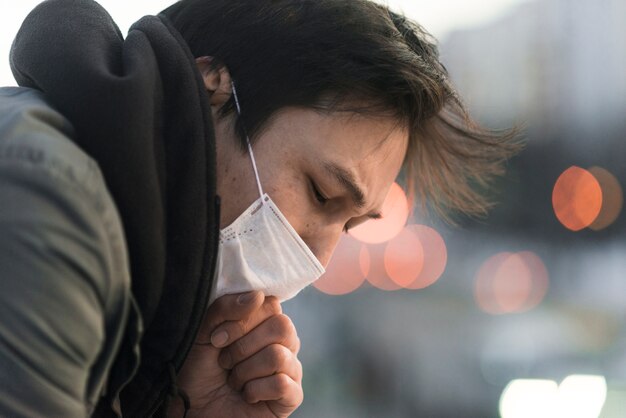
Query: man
[163,193]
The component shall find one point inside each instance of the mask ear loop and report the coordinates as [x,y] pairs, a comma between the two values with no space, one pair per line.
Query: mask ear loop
[256,172]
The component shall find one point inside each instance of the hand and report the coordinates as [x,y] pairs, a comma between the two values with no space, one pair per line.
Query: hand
[243,363]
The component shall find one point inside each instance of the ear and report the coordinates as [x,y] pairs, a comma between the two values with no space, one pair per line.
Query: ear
[216,80]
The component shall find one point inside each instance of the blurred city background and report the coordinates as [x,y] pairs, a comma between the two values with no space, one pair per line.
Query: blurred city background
[520,314]
[528,318]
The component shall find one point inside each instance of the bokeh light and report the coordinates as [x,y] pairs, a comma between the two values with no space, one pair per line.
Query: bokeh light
[395,212]
[511,282]
[404,258]
[414,259]
[347,268]
[578,396]
[378,276]
[581,396]
[483,289]
[435,256]
[539,275]
[612,198]
[576,198]
[525,398]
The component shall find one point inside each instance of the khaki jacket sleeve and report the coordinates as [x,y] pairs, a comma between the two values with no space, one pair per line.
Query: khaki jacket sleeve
[51,296]
[55,277]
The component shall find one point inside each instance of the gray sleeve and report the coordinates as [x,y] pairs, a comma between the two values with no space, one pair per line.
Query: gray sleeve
[53,275]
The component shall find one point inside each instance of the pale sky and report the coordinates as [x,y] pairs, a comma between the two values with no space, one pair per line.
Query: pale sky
[437,16]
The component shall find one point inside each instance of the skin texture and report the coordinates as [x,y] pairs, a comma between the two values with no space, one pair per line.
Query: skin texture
[244,362]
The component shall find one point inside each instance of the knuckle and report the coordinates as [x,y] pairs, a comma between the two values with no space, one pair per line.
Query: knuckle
[272,305]
[282,383]
[299,398]
[299,371]
[278,356]
[282,325]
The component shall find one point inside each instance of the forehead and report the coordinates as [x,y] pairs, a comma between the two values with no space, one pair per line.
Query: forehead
[362,138]
[372,145]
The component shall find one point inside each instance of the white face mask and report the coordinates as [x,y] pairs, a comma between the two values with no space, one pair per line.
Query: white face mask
[260,250]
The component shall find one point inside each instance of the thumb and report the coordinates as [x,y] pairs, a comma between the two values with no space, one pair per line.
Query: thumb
[235,307]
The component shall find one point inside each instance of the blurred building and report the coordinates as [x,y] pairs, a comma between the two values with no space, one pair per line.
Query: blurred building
[551,63]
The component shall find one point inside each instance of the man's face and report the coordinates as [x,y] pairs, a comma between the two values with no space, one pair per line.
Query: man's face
[325,172]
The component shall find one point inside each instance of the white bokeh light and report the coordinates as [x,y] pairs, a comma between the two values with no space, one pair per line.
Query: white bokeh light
[578,396]
[581,396]
[526,398]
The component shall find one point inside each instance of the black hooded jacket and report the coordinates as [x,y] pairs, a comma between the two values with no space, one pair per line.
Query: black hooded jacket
[139,108]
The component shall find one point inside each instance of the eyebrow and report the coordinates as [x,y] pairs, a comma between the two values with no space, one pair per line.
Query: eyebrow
[347,180]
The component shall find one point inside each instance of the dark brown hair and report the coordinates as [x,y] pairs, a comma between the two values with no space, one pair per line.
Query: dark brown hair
[324,54]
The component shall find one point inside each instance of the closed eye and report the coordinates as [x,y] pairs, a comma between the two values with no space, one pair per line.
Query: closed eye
[318,195]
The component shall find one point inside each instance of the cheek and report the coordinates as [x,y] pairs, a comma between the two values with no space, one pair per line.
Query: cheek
[288,192]
[295,204]
[318,230]
[310,223]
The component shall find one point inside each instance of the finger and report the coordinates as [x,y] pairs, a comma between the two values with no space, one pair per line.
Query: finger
[281,392]
[231,331]
[228,308]
[271,360]
[277,329]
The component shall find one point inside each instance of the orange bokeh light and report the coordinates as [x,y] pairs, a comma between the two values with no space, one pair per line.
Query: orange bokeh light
[395,212]
[416,257]
[377,275]
[483,290]
[612,198]
[539,275]
[404,258]
[347,268]
[511,282]
[435,256]
[577,198]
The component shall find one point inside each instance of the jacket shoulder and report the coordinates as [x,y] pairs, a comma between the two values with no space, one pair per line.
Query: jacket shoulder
[35,139]
[60,220]
[33,133]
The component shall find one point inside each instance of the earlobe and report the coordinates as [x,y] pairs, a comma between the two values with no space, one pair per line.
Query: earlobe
[216,80]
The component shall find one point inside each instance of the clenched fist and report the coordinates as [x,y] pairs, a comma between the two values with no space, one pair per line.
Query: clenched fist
[243,363]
